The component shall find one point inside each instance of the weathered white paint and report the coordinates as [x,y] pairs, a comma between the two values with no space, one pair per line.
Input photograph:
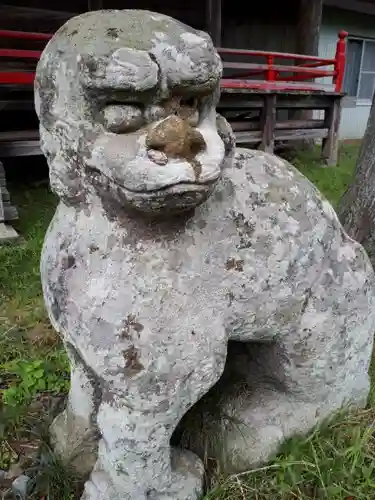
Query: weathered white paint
[354,114]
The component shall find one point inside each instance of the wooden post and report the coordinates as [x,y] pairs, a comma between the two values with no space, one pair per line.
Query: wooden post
[94,4]
[331,142]
[307,37]
[308,27]
[213,20]
[268,121]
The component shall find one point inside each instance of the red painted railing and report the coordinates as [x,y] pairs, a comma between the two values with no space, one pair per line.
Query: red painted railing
[304,69]
[20,76]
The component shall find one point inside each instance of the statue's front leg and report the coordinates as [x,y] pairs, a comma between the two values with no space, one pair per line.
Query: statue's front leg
[74,433]
[147,386]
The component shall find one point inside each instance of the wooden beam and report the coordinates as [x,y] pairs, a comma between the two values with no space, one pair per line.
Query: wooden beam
[242,126]
[365,7]
[29,19]
[213,20]
[255,136]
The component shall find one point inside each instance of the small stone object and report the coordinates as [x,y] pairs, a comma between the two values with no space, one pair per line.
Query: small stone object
[7,233]
[19,487]
[220,280]
[8,212]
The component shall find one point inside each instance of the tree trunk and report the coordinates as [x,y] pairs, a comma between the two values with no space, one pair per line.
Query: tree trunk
[357,206]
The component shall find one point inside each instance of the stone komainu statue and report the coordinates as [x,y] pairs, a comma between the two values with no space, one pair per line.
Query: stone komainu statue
[178,269]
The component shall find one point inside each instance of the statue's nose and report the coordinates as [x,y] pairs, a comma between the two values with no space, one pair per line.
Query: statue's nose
[176,138]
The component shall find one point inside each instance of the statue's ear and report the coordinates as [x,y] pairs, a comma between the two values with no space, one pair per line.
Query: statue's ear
[226,134]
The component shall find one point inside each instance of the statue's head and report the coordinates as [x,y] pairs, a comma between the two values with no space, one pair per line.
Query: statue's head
[126,101]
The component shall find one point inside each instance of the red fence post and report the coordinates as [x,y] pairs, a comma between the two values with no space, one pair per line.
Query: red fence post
[271,73]
[340,61]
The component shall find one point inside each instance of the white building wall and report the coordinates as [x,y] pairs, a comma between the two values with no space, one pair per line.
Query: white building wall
[354,115]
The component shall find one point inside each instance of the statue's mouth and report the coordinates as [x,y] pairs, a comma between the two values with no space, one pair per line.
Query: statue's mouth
[178,187]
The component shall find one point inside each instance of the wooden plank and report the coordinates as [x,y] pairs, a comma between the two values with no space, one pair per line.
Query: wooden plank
[19,135]
[274,86]
[248,137]
[278,89]
[255,136]
[239,103]
[27,19]
[19,143]
[236,114]
[19,148]
[16,105]
[245,125]
[290,135]
[281,125]
[330,143]
[268,119]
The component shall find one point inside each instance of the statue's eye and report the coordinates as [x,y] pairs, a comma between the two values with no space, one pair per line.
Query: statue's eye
[120,118]
[154,113]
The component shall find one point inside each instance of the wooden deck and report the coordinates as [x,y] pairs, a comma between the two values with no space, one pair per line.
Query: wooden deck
[257,118]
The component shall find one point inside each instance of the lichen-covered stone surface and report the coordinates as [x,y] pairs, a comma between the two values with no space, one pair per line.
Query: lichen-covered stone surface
[175,262]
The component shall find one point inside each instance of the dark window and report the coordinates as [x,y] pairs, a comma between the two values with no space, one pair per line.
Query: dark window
[359,80]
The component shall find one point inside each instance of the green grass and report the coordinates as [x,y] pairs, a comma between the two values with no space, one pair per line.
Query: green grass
[21,299]
[32,361]
[336,461]
[332,182]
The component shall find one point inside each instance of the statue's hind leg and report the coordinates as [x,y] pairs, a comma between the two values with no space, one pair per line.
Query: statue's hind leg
[272,391]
